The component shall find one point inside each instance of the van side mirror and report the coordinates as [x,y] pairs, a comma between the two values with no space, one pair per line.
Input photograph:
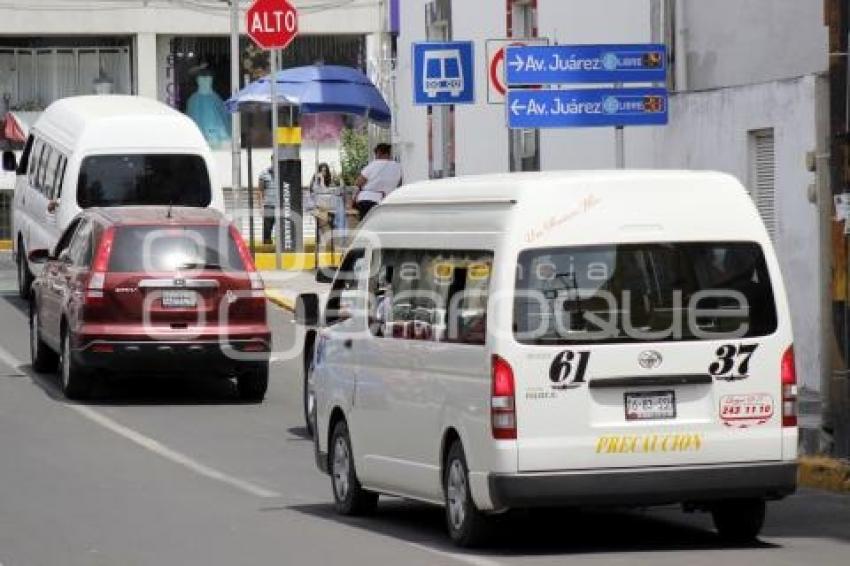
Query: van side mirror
[307,309]
[10,162]
[38,256]
[325,274]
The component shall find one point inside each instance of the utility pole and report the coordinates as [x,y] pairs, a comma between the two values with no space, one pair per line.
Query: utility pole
[236,129]
[836,414]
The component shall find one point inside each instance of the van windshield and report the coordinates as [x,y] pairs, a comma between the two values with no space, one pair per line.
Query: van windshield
[643,293]
[119,180]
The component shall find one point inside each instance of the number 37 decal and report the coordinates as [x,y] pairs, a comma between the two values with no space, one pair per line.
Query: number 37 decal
[733,361]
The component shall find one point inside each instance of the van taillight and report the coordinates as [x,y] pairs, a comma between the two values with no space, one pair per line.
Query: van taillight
[503,400]
[789,388]
[97,279]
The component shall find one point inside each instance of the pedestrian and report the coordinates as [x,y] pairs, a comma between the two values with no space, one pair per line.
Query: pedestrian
[270,194]
[378,179]
[323,199]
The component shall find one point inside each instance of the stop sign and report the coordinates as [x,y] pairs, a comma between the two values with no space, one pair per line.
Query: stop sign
[272,24]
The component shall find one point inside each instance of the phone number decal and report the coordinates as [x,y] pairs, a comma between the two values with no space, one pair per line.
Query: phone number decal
[742,411]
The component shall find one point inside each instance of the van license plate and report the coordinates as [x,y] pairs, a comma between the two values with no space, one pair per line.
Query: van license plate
[179,299]
[650,405]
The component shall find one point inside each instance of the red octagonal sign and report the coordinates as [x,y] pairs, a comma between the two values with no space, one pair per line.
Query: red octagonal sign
[272,24]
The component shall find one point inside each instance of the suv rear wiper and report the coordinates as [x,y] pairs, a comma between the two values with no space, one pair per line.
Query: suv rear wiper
[199,265]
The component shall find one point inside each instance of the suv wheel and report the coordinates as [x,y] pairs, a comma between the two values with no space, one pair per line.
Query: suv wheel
[75,382]
[739,521]
[253,383]
[466,524]
[25,277]
[309,395]
[43,358]
[349,496]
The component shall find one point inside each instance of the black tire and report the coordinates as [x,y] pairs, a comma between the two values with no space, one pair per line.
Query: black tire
[25,276]
[306,391]
[75,381]
[44,360]
[349,496]
[468,527]
[253,383]
[739,521]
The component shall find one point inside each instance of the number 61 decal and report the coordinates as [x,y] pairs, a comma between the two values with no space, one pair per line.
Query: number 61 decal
[733,362]
[567,369]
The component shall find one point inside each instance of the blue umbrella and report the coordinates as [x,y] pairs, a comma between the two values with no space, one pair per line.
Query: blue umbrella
[316,89]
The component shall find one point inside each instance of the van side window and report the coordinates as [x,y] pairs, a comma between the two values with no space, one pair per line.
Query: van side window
[38,148]
[41,180]
[50,172]
[432,295]
[58,178]
[341,301]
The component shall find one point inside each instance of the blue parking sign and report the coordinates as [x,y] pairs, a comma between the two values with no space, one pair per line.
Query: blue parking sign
[443,73]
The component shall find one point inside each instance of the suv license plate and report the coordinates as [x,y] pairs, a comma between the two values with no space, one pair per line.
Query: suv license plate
[650,405]
[179,299]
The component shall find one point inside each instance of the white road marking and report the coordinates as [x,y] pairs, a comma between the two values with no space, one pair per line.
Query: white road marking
[152,445]
[465,558]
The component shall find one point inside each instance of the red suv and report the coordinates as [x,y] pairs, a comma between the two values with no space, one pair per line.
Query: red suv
[142,290]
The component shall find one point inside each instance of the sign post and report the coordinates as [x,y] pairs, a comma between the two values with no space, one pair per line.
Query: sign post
[273,25]
[587,107]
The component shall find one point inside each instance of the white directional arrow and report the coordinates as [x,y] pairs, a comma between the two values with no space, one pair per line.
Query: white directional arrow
[516,107]
[518,64]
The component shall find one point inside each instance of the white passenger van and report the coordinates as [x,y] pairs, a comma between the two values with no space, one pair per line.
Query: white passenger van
[105,151]
[563,339]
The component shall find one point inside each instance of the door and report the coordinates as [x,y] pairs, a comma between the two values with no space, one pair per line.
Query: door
[646,355]
[55,283]
[42,225]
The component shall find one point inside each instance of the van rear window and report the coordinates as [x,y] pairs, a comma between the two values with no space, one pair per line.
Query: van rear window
[120,180]
[163,249]
[643,293]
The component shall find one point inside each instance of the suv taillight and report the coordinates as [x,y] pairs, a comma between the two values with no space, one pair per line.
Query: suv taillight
[503,400]
[789,388]
[244,252]
[97,278]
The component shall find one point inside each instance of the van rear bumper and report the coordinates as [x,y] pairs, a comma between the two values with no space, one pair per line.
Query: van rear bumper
[644,486]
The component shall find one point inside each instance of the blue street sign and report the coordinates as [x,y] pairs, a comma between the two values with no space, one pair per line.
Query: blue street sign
[574,64]
[586,107]
[443,73]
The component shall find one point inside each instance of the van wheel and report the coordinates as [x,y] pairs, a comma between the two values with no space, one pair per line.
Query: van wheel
[25,277]
[43,358]
[467,526]
[739,521]
[349,496]
[253,383]
[75,382]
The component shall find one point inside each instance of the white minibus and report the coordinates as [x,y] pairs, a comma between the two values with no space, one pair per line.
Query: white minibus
[559,339]
[104,151]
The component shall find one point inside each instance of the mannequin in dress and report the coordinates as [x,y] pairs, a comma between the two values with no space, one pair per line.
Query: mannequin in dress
[207,109]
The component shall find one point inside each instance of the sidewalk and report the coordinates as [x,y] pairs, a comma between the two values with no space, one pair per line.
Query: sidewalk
[283,287]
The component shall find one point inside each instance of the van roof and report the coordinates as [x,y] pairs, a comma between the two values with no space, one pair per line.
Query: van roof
[158,215]
[520,186]
[117,121]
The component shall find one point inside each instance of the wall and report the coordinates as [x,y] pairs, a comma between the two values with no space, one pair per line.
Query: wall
[708,130]
[736,42]
[481,134]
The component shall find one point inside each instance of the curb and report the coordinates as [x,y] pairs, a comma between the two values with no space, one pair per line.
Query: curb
[5,245]
[823,472]
[280,300]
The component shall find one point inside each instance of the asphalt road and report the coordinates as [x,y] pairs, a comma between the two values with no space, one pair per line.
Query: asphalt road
[179,472]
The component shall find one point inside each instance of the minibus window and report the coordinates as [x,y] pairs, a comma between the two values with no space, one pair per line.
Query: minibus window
[643,293]
[341,299]
[119,180]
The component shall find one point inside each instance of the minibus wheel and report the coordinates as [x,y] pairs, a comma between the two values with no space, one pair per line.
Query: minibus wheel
[349,496]
[467,526]
[740,520]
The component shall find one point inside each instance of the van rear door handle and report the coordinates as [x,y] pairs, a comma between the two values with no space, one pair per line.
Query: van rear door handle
[348,343]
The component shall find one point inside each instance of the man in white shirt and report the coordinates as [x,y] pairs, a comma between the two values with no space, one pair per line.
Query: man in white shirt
[378,179]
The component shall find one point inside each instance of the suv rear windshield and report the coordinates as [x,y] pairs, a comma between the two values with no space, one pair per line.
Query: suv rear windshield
[643,293]
[117,180]
[157,249]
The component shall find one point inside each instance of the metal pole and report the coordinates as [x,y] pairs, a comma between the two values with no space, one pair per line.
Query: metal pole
[235,128]
[276,167]
[619,142]
[251,189]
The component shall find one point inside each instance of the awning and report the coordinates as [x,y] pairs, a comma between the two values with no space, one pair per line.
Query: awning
[16,125]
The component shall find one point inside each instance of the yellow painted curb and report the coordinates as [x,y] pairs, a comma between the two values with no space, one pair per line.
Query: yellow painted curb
[823,472]
[296,261]
[279,299]
[5,245]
